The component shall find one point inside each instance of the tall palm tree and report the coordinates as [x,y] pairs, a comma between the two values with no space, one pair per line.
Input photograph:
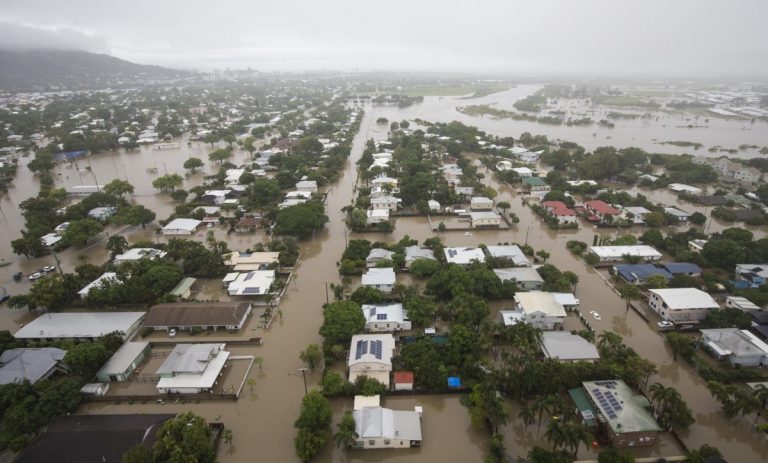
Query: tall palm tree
[346,436]
[527,414]
[608,339]
[658,392]
[556,434]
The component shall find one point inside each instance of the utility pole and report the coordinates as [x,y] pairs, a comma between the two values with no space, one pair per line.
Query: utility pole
[326,294]
[526,235]
[58,263]
[304,376]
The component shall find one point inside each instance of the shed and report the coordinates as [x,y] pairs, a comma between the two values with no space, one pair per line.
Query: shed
[184,288]
[123,363]
[403,380]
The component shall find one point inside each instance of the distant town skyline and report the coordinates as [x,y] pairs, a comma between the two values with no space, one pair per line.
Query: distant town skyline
[685,37]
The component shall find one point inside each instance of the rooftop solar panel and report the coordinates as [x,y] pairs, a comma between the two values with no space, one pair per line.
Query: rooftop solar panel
[381,316]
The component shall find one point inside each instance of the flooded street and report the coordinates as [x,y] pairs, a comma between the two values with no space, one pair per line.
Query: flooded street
[262,420]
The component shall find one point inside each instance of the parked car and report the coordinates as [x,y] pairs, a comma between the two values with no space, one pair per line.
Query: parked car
[665,325]
[48,269]
[17,276]
[36,276]
[595,315]
[172,332]
[4,298]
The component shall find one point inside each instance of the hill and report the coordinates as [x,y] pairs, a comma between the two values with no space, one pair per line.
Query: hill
[72,69]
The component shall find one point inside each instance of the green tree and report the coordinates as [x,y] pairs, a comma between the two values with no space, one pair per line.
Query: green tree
[486,408]
[346,436]
[135,215]
[681,345]
[629,293]
[54,291]
[116,244]
[220,155]
[655,219]
[420,309]
[312,356]
[723,253]
[423,268]
[313,424]
[701,454]
[118,188]
[185,438]
[341,320]
[84,359]
[301,220]
[615,456]
[137,454]
[192,164]
[167,182]
[80,231]
[28,245]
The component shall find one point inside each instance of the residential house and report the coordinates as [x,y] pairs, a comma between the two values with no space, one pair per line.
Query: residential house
[433,205]
[623,414]
[248,224]
[290,202]
[697,245]
[566,347]
[309,186]
[185,288]
[102,214]
[522,172]
[385,318]
[123,362]
[635,214]
[379,428]
[387,182]
[485,219]
[508,252]
[378,255]
[681,305]
[181,227]
[371,355]
[680,215]
[535,185]
[753,275]
[188,316]
[504,165]
[134,254]
[739,347]
[540,309]
[253,283]
[463,256]
[682,268]
[561,212]
[525,278]
[375,216]
[601,211]
[524,155]
[106,277]
[242,261]
[683,188]
[191,368]
[80,326]
[414,253]
[31,364]
[639,274]
[741,303]
[215,196]
[617,253]
[385,202]
[481,203]
[382,279]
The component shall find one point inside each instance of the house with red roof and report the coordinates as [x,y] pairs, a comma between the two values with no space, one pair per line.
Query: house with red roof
[403,380]
[561,212]
[600,211]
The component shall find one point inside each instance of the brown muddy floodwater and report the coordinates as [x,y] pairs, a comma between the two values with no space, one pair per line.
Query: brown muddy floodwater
[262,420]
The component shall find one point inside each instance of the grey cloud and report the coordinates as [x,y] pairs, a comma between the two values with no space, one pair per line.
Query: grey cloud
[17,36]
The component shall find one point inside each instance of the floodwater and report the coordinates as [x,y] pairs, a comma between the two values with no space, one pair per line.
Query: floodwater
[641,132]
[262,420]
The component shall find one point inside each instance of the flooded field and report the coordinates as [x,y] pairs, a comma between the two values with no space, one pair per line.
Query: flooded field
[262,420]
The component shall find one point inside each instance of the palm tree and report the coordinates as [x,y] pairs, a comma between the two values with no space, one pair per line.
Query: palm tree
[527,414]
[658,392]
[346,436]
[574,435]
[628,293]
[556,434]
[608,339]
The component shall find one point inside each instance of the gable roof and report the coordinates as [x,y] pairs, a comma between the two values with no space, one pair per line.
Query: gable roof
[622,409]
[512,252]
[196,314]
[376,348]
[374,313]
[28,364]
[682,267]
[602,207]
[686,298]
[521,274]
[563,345]
[640,272]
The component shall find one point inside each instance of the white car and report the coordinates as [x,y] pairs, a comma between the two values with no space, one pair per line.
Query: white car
[36,276]
[595,315]
[48,269]
[172,332]
[665,325]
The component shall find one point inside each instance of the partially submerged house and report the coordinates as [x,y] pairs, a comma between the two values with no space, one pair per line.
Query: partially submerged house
[371,355]
[105,278]
[681,305]
[253,283]
[382,279]
[485,219]
[380,428]
[191,368]
[378,255]
[123,362]
[385,318]
[80,326]
[464,256]
[186,316]
[134,254]
[509,252]
[561,212]
[538,308]
[617,253]
[526,278]
[31,364]
[638,274]
[566,347]
[738,347]
[181,227]
[414,253]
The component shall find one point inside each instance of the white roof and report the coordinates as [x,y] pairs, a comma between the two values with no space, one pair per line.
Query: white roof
[676,212]
[636,210]
[139,253]
[253,283]
[540,301]
[78,324]
[463,256]
[563,345]
[306,184]
[617,252]
[686,298]
[566,299]
[123,358]
[512,252]
[416,252]
[298,194]
[379,253]
[375,313]
[362,401]
[106,276]
[484,215]
[385,199]
[522,170]
[220,193]
[511,317]
[364,349]
[192,366]
[481,200]
[521,274]
[183,224]
[379,422]
[379,276]
[736,342]
[50,239]
[381,213]
[683,187]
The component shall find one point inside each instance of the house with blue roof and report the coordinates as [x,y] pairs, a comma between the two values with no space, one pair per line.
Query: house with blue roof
[638,274]
[682,268]
[751,275]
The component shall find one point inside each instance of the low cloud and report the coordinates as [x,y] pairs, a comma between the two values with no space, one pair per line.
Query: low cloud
[28,37]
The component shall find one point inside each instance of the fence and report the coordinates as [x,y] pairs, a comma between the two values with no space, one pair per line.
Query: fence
[160,398]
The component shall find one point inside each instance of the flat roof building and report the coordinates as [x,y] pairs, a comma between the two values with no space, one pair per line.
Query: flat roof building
[566,347]
[80,326]
[463,256]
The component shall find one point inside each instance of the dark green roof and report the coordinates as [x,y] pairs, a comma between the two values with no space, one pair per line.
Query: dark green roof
[534,181]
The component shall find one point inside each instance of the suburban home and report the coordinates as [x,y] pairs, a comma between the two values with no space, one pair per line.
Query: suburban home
[375,216]
[739,347]
[298,195]
[134,254]
[371,355]
[464,190]
[248,224]
[382,279]
[741,303]
[382,428]
[309,186]
[378,255]
[509,252]
[566,347]
[50,239]
[635,214]
[680,215]
[638,274]
[525,278]
[385,318]
[191,368]
[682,268]
[681,305]
[233,176]
[215,196]
[186,316]
[110,277]
[433,205]
[600,211]
[253,283]
[181,227]
[522,172]
[524,155]
[561,212]
[31,364]
[621,413]
[617,253]
[540,309]
[386,182]
[683,188]
[697,245]
[290,202]
[403,380]
[385,202]
[504,165]
[485,219]
[535,184]
[753,275]
[102,214]
[463,256]
[80,326]
[481,203]
[123,362]
[83,190]
[93,438]
[414,253]
[242,261]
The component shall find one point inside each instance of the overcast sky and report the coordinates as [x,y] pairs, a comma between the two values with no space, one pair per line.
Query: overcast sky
[690,37]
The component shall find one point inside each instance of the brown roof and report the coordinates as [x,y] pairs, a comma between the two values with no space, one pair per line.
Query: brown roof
[196,314]
[249,222]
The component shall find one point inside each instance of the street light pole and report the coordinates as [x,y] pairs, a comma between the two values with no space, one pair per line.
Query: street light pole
[304,376]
